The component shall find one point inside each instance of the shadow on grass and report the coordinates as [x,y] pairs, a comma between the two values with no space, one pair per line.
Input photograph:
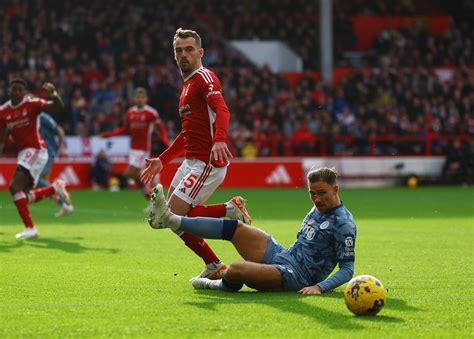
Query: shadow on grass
[290,302]
[54,244]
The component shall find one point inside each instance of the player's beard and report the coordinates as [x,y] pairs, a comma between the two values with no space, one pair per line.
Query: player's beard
[185,66]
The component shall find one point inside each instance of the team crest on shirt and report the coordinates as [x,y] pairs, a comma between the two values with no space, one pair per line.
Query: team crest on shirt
[324,225]
[24,113]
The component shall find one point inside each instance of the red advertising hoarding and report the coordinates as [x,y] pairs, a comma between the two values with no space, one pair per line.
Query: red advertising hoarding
[76,172]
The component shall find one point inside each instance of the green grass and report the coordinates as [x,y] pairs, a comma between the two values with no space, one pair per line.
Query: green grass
[103,272]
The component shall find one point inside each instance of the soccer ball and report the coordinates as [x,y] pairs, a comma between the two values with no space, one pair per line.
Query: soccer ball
[365,295]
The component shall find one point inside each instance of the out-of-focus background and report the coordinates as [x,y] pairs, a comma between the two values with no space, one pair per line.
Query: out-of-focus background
[382,91]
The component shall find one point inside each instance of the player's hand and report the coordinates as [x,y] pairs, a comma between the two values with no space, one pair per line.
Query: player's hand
[62,152]
[49,87]
[220,152]
[315,289]
[152,168]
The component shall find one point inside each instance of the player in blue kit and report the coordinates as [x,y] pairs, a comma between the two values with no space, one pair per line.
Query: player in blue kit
[53,136]
[326,239]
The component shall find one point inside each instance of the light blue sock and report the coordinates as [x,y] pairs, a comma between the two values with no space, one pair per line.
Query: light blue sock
[209,228]
[61,202]
[42,183]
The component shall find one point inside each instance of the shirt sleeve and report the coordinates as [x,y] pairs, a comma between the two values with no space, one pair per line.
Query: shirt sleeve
[345,236]
[212,92]
[49,122]
[346,270]
[124,130]
[39,105]
[175,150]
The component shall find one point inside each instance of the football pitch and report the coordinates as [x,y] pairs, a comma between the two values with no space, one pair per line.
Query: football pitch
[103,271]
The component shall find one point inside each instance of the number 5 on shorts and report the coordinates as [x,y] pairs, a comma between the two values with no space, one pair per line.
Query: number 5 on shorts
[189,182]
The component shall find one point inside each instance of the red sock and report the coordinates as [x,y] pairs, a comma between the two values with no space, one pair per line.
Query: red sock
[147,196]
[200,247]
[40,193]
[22,206]
[211,211]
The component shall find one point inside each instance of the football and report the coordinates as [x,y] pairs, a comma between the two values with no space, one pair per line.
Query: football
[365,295]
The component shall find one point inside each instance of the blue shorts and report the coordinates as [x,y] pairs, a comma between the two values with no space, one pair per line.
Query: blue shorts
[47,167]
[278,256]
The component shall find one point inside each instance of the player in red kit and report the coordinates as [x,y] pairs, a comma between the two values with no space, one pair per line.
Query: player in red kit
[141,119]
[20,117]
[204,119]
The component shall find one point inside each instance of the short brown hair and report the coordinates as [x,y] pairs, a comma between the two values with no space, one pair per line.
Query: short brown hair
[187,33]
[325,174]
[141,90]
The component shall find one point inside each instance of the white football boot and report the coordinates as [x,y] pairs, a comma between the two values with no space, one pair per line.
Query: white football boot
[65,210]
[205,284]
[60,189]
[29,232]
[238,210]
[213,271]
[160,213]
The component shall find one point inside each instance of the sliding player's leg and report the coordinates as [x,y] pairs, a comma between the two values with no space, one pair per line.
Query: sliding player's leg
[250,242]
[262,277]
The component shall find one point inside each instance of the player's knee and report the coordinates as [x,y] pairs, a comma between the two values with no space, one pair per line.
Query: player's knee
[236,270]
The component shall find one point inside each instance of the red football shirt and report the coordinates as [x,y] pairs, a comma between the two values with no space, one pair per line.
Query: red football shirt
[139,125]
[204,114]
[22,122]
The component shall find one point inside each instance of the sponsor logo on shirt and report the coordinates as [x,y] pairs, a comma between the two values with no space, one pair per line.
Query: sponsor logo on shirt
[349,249]
[184,110]
[18,123]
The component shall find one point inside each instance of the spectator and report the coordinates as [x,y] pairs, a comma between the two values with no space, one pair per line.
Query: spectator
[101,170]
[457,164]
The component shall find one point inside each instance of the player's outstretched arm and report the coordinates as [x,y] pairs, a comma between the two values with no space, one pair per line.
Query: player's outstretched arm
[160,126]
[62,146]
[119,131]
[56,105]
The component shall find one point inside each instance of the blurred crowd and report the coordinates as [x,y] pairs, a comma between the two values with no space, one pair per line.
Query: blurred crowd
[96,53]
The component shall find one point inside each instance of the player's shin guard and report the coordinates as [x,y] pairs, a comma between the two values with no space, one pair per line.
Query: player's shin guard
[22,206]
[209,228]
[40,193]
[200,247]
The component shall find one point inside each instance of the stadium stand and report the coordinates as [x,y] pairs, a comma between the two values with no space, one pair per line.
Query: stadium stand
[411,95]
